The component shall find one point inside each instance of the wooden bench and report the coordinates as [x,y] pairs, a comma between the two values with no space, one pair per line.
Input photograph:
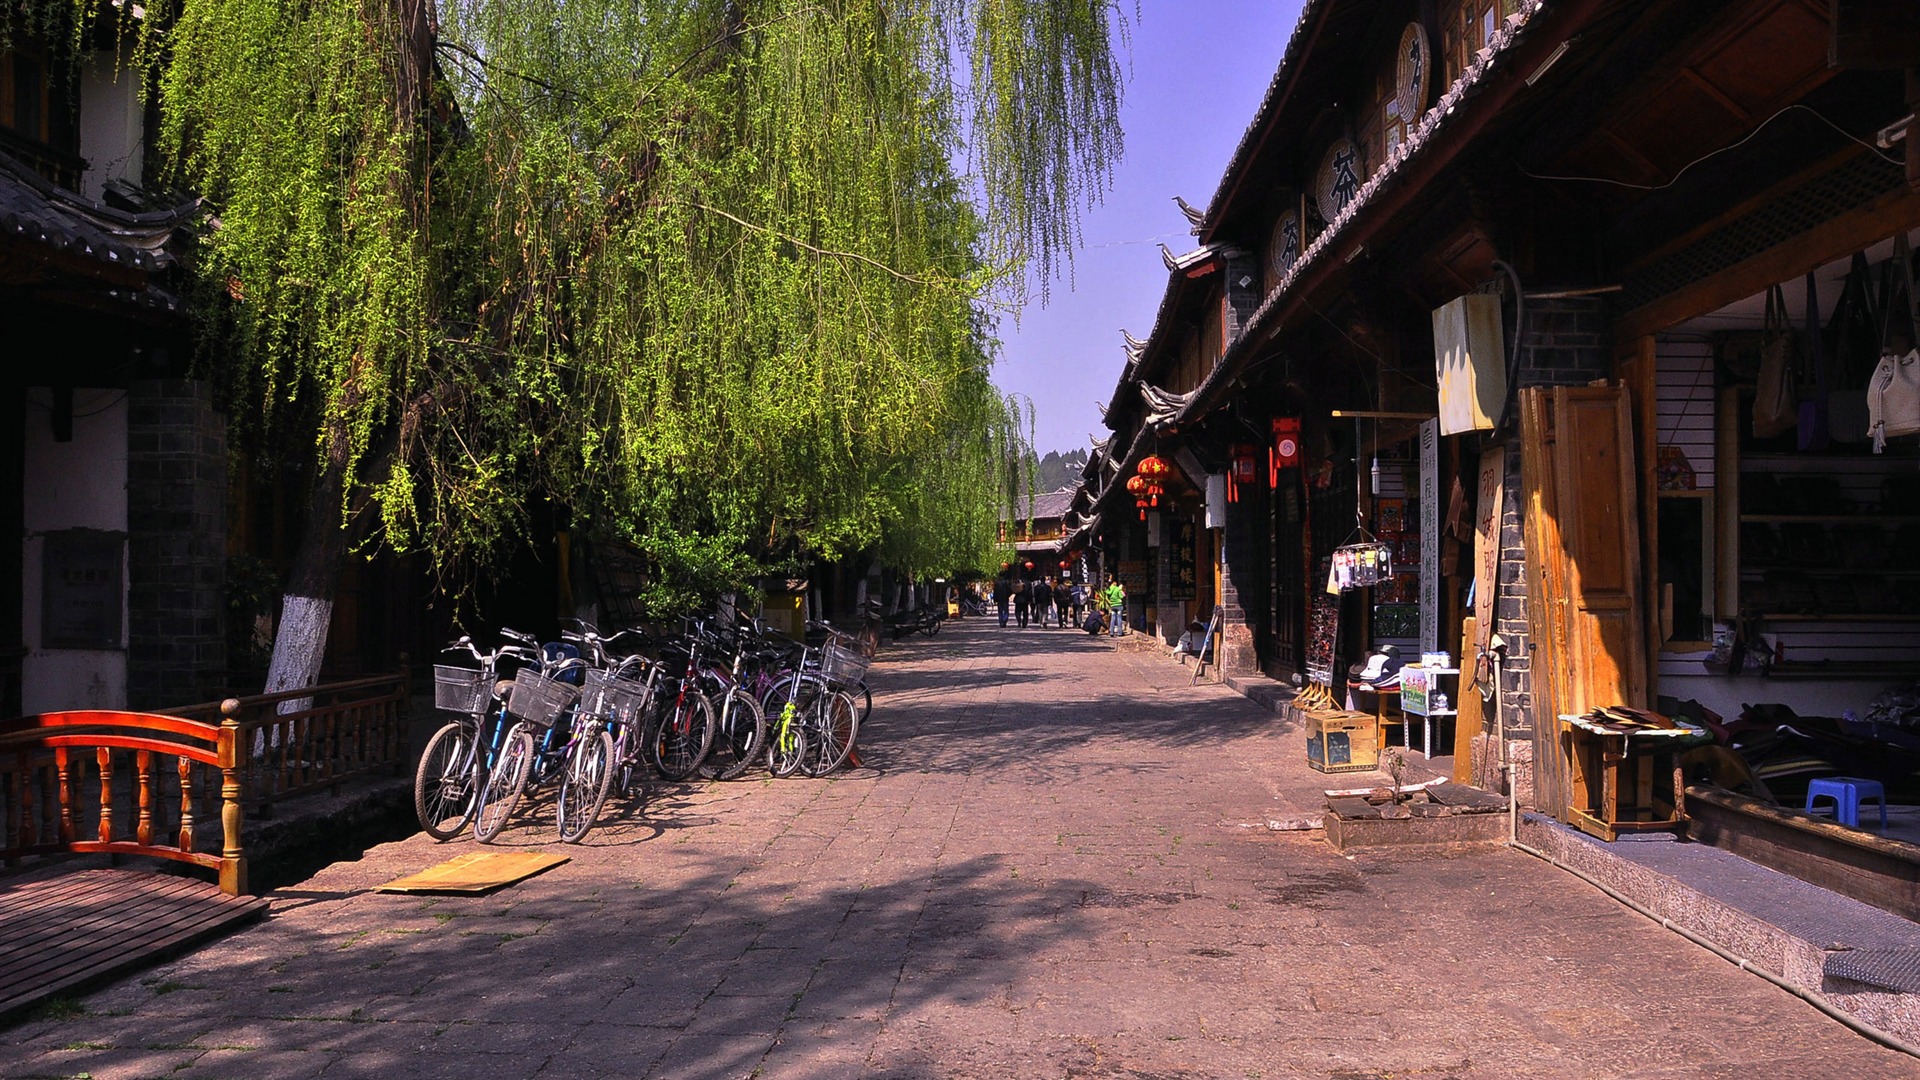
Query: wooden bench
[113,783]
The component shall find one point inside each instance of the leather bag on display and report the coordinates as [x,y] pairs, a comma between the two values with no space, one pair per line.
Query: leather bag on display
[1893,393]
[1775,410]
[1813,395]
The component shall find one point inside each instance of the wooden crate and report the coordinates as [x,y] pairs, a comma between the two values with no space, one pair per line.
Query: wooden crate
[1339,740]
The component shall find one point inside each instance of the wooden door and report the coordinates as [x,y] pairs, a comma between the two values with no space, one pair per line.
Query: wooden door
[1583,565]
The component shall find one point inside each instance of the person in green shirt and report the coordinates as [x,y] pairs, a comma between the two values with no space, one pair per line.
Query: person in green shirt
[1114,599]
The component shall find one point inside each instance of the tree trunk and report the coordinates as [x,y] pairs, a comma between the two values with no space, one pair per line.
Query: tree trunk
[306,609]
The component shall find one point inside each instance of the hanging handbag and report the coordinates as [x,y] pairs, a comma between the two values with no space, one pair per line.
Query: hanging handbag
[1813,397]
[1774,409]
[1893,393]
[1853,346]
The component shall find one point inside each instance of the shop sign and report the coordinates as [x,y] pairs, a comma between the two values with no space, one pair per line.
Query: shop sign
[1339,178]
[1410,77]
[1284,247]
[1137,576]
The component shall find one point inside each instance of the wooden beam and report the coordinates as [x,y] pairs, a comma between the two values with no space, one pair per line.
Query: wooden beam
[1838,237]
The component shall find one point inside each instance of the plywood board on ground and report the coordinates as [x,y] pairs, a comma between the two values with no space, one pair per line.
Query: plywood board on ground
[476,872]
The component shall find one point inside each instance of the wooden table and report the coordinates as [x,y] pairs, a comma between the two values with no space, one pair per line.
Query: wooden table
[1612,771]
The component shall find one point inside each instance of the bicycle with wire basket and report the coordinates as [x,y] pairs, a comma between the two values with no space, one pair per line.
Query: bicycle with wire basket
[817,722]
[539,705]
[455,762]
[611,706]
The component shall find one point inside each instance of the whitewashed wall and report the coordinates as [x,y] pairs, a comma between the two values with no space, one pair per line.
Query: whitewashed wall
[81,484]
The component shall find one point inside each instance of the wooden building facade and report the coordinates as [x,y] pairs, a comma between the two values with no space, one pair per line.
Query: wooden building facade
[1493,281]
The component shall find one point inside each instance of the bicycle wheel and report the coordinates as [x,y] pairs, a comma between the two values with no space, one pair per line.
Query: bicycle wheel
[740,734]
[446,783]
[864,697]
[787,741]
[832,727]
[681,736]
[505,780]
[584,785]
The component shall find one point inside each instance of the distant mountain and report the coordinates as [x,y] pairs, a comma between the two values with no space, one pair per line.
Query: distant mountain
[1059,470]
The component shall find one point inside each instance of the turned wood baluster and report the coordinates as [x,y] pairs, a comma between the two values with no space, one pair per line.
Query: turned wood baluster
[186,803]
[143,831]
[64,778]
[105,755]
[233,861]
[325,745]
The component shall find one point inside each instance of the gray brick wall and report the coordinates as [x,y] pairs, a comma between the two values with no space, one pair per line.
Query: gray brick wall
[177,546]
[1565,344]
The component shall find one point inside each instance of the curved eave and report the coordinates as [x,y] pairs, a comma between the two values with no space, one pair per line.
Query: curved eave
[1429,148]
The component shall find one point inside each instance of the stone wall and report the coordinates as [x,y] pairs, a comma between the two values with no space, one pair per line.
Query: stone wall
[177,544]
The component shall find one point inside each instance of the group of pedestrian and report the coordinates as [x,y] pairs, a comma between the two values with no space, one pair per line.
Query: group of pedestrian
[1059,602]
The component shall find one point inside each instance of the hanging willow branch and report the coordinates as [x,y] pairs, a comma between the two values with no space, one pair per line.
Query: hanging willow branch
[585,265]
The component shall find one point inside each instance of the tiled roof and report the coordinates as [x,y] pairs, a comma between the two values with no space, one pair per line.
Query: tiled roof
[1433,125]
[39,214]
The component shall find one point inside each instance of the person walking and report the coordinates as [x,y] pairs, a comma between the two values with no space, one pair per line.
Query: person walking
[1022,601]
[1002,592]
[1076,598]
[1063,602]
[1042,600]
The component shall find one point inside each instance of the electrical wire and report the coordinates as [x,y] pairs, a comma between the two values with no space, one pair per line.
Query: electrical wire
[1732,146]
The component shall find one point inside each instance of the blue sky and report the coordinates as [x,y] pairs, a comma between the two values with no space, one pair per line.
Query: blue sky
[1196,72]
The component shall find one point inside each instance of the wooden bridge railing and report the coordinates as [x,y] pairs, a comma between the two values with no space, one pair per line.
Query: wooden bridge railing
[122,783]
[298,742]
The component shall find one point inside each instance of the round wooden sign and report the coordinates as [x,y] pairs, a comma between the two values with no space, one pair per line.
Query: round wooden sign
[1283,248]
[1410,78]
[1338,181]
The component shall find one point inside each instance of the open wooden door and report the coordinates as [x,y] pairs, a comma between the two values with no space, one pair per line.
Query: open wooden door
[1583,565]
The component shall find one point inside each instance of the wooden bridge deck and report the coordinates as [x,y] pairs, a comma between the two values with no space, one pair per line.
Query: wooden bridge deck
[62,931]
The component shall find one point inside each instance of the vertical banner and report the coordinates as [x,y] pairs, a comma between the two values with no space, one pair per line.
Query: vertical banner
[1430,536]
[1488,511]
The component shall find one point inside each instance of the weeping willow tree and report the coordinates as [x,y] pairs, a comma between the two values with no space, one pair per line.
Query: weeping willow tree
[710,274]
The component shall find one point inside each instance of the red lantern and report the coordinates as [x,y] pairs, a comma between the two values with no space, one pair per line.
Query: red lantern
[1154,468]
[1285,452]
[1142,491]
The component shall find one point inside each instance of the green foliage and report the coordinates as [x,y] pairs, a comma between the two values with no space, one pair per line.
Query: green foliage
[701,272]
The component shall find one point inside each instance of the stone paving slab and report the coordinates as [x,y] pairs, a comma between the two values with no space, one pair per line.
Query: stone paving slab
[1056,864]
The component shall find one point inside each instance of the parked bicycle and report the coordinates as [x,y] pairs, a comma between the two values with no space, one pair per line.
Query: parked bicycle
[455,763]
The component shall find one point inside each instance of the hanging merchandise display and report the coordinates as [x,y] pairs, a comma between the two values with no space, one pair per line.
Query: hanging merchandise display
[1362,565]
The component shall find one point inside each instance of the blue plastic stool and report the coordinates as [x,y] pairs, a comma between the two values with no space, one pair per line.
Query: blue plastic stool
[1846,793]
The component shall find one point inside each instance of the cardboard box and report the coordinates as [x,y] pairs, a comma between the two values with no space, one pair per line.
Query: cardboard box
[1340,741]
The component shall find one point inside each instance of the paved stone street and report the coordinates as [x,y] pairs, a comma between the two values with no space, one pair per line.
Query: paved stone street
[1055,864]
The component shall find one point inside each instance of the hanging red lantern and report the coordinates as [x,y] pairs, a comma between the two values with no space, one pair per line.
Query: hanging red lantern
[1142,492]
[1154,468]
[1285,451]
